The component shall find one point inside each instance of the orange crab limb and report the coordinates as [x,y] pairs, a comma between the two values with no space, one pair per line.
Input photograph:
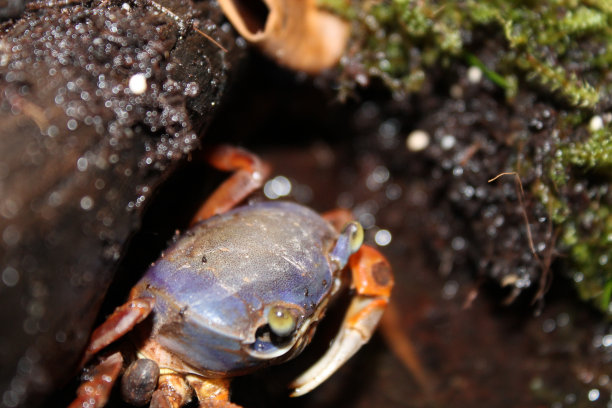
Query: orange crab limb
[371,273]
[211,392]
[338,218]
[94,392]
[121,321]
[249,174]
[373,281]
[172,392]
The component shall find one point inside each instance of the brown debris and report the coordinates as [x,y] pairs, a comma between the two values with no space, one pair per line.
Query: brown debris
[295,33]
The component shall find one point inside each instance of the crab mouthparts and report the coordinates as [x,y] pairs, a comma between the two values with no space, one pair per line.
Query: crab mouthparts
[357,327]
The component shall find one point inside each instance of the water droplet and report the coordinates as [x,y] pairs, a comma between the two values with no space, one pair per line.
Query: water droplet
[448,142]
[11,235]
[387,133]
[192,89]
[563,319]
[366,220]
[393,191]
[10,276]
[450,289]
[458,243]
[82,164]
[383,237]
[279,186]
[549,325]
[87,203]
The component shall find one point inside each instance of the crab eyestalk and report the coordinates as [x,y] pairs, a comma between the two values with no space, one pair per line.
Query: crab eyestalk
[373,280]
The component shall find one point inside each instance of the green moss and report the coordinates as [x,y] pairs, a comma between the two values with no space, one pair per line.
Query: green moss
[586,230]
[593,154]
[546,42]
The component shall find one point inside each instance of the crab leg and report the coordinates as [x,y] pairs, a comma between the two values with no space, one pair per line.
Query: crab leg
[94,392]
[121,321]
[172,392]
[249,174]
[211,392]
[372,279]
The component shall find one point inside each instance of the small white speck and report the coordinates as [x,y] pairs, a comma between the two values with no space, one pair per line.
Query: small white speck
[474,75]
[448,142]
[594,394]
[87,203]
[256,176]
[138,84]
[382,237]
[417,140]
[606,340]
[126,7]
[596,123]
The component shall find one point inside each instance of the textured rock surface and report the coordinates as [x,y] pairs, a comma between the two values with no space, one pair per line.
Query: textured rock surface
[83,149]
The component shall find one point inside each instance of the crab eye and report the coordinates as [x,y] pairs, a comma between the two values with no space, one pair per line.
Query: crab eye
[281,321]
[349,241]
[355,233]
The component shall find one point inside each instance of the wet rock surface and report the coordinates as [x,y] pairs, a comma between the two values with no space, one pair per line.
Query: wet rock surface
[99,103]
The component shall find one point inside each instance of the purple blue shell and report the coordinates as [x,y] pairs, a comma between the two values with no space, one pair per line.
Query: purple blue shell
[215,285]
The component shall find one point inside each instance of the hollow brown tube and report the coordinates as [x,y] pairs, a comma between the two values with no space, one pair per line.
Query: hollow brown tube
[295,33]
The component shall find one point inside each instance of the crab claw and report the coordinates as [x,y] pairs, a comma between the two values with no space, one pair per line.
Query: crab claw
[372,279]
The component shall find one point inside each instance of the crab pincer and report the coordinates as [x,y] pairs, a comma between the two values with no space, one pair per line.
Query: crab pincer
[372,281]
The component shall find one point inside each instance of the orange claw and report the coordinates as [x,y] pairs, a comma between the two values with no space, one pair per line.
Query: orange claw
[371,272]
[373,281]
[249,175]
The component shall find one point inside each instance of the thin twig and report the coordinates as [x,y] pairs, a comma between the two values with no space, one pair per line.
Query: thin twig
[521,197]
[209,38]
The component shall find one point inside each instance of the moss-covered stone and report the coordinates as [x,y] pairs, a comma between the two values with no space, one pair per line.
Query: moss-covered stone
[559,51]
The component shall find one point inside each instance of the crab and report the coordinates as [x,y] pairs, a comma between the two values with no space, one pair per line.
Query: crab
[244,287]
